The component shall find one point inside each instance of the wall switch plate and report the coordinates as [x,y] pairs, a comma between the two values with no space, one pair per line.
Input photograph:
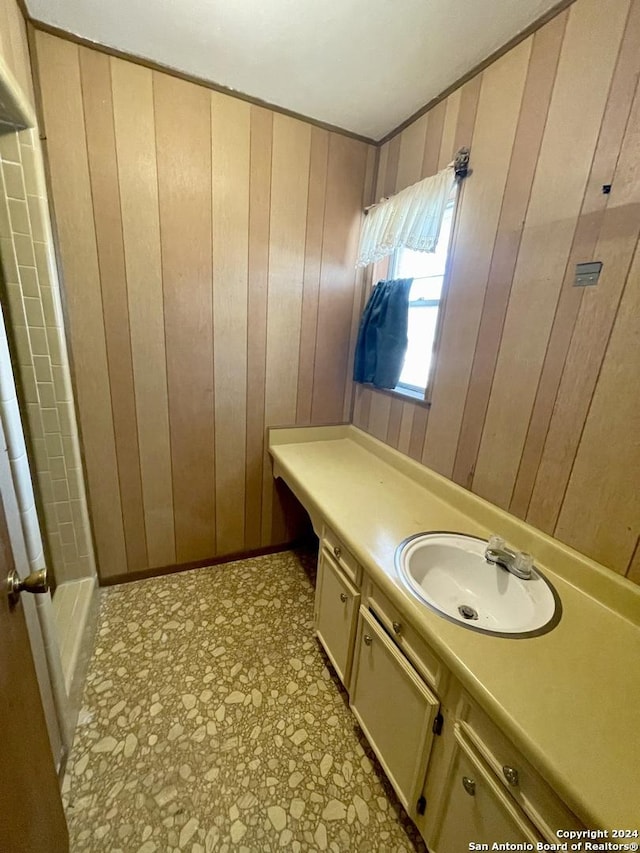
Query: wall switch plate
[587,274]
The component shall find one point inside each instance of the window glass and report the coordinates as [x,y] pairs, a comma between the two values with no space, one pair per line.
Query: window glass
[427,270]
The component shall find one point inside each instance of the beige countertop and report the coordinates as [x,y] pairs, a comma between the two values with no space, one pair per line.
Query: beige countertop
[569,699]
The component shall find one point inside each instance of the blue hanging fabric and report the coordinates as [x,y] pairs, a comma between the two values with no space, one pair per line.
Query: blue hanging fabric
[382,336]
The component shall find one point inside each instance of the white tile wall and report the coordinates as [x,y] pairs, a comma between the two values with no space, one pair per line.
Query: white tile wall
[35,314]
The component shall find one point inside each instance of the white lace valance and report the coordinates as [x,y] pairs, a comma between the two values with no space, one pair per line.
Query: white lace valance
[411,218]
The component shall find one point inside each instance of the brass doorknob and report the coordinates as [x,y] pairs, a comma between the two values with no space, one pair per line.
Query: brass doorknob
[35,582]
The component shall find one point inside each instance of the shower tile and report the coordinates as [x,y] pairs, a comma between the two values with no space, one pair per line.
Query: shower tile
[16,310]
[13,182]
[24,250]
[33,310]
[42,367]
[19,214]
[212,721]
[29,281]
[30,171]
[8,255]
[39,343]
[10,147]
[46,393]
[50,420]
[36,218]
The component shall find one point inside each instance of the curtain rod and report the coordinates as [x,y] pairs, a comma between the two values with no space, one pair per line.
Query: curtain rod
[460,166]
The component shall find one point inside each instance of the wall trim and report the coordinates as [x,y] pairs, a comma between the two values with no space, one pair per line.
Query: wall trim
[233,93]
[485,63]
[153,65]
[147,574]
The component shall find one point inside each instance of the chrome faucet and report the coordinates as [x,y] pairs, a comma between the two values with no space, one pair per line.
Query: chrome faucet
[518,563]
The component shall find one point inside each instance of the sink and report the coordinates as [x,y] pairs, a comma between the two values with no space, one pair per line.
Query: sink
[449,573]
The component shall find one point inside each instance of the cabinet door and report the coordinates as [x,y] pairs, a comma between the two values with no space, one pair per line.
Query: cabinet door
[335,615]
[395,709]
[474,808]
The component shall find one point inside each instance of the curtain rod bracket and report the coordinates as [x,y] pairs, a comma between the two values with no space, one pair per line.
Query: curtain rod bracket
[461,164]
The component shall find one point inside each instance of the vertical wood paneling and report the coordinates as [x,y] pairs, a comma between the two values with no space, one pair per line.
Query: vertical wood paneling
[103,170]
[395,422]
[530,210]
[477,222]
[412,142]
[605,473]
[433,140]
[607,229]
[615,247]
[343,214]
[406,425]
[469,99]
[546,241]
[312,267]
[231,158]
[447,148]
[379,415]
[137,173]
[526,147]
[71,192]
[418,432]
[258,272]
[363,280]
[216,287]
[532,423]
[289,188]
[184,192]
[390,182]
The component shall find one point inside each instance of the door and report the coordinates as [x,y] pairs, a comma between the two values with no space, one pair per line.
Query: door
[31,815]
[336,610]
[474,807]
[395,709]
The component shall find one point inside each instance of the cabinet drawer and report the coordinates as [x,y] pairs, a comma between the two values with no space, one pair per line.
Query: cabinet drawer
[516,775]
[475,807]
[418,652]
[342,556]
[336,612]
[395,709]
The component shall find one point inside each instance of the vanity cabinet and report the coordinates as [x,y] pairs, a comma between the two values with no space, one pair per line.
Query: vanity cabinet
[336,608]
[395,709]
[458,777]
[474,806]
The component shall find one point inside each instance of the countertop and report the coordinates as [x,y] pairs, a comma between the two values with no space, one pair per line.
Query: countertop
[569,699]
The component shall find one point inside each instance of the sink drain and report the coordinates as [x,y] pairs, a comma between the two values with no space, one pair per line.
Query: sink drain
[467,612]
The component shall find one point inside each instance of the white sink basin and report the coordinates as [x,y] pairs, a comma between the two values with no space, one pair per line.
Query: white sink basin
[449,573]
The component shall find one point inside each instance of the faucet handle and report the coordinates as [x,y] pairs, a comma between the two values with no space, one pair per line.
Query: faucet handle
[495,543]
[524,564]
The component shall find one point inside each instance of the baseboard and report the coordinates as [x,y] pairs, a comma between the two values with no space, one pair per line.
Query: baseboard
[145,574]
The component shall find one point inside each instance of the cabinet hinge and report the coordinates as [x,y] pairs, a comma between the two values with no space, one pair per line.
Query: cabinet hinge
[437,724]
[422,805]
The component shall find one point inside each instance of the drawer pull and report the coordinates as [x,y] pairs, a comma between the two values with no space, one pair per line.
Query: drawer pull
[343,597]
[469,785]
[397,627]
[368,640]
[337,551]
[511,775]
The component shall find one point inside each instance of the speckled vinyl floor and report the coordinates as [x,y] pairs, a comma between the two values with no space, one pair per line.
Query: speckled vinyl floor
[211,722]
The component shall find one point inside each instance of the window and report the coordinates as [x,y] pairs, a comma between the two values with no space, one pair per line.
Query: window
[427,271]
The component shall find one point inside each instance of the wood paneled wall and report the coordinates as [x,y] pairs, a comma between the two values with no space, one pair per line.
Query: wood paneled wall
[535,403]
[207,249]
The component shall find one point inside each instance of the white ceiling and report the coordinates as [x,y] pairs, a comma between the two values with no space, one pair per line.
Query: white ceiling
[362,65]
